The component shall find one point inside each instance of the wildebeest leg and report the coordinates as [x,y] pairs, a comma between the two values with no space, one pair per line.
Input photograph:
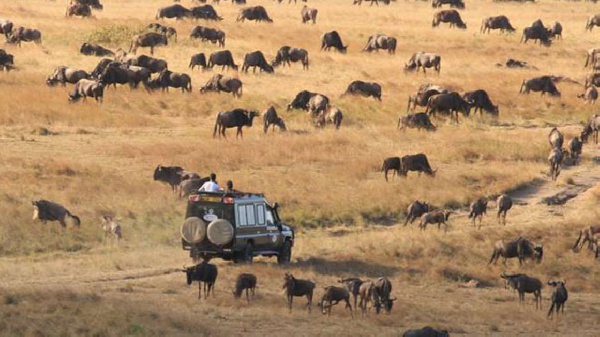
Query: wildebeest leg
[247,295]
[349,307]
[239,132]
[290,301]
[199,290]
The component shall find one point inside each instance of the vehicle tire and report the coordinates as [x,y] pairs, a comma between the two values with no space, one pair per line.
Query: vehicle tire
[247,254]
[220,232]
[193,230]
[285,254]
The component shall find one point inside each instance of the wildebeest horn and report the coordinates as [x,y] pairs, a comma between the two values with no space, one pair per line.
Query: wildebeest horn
[393,299]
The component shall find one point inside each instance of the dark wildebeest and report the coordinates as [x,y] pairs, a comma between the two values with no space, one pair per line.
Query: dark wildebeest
[236,2]
[415,210]
[168,174]
[164,30]
[332,296]
[438,216]
[87,88]
[309,14]
[64,75]
[424,60]
[256,59]
[206,12]
[592,57]
[417,162]
[95,4]
[24,34]
[174,11]
[525,284]
[116,73]
[221,58]
[520,247]
[209,34]
[425,332]
[6,27]
[590,96]
[537,31]
[379,41]
[236,118]
[227,84]
[478,209]
[287,54]
[76,9]
[574,147]
[352,284]
[481,101]
[189,186]
[504,203]
[450,103]
[542,84]
[245,281]
[45,210]
[100,67]
[382,292]
[496,22]
[453,3]
[256,13]
[296,287]
[556,31]
[167,79]
[592,21]
[422,96]
[419,120]
[359,2]
[559,297]
[198,60]
[587,234]
[7,61]
[301,100]
[270,118]
[556,138]
[151,40]
[391,164]
[366,89]
[450,16]
[153,64]
[95,50]
[591,128]
[555,159]
[332,115]
[205,273]
[332,39]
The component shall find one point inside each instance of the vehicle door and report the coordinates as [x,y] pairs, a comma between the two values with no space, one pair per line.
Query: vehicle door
[248,226]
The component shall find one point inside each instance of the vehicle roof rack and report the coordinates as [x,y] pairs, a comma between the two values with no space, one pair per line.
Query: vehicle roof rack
[230,194]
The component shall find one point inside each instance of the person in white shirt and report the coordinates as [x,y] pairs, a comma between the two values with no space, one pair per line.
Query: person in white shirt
[211,185]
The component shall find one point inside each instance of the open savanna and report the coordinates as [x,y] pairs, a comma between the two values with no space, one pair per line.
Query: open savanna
[99,159]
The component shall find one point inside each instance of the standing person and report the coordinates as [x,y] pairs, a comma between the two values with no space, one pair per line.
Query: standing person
[211,185]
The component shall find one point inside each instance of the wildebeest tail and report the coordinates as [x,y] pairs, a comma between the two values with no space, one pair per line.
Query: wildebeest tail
[575,247]
[76,218]
[157,16]
[522,85]
[482,25]
[216,124]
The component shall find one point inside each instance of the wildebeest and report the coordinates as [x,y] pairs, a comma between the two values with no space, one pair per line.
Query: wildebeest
[332,39]
[209,34]
[590,96]
[453,3]
[87,88]
[309,14]
[380,41]
[556,138]
[536,31]
[391,164]
[592,21]
[424,60]
[556,31]
[167,79]
[24,34]
[95,50]
[419,120]
[287,54]
[227,84]
[270,118]
[555,159]
[256,59]
[317,104]
[64,75]
[188,186]
[591,128]
[450,16]
[559,297]
[541,84]
[164,30]
[95,4]
[221,58]
[480,100]
[77,9]
[168,174]
[301,100]
[504,203]
[425,332]
[296,287]
[45,210]
[415,210]
[100,67]
[7,60]
[256,13]
[450,103]
[366,89]
[438,216]
[174,11]
[352,284]
[592,57]
[332,296]
[417,162]
[205,273]
[587,234]
[574,147]
[236,118]
[153,64]
[206,12]
[111,227]
[520,247]
[118,73]
[332,115]
[245,281]
[496,22]
[151,40]
[365,292]
[477,209]
[6,27]
[422,96]
[198,60]
[525,284]
[382,292]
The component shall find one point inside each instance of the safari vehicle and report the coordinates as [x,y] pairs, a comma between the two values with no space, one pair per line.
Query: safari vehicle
[235,226]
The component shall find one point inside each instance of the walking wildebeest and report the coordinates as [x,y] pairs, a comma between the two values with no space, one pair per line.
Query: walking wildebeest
[7,61]
[590,96]
[76,9]
[391,164]
[221,58]
[174,11]
[227,84]
[496,22]
[111,227]
[309,14]
[450,103]
[425,332]
[256,59]
[151,40]
[379,41]
[164,30]
[417,162]
[419,120]
[256,13]
[206,12]
[366,89]
[332,39]
[453,3]
[520,247]
[537,31]
[591,128]
[87,88]
[541,84]
[270,118]
[169,174]
[438,216]
[332,115]
[504,203]
[296,287]
[352,284]
[555,159]
[301,100]
[574,147]
[245,281]
[6,27]
[481,101]
[64,75]
[415,210]
[424,60]
[422,96]
[45,210]
[287,54]
[525,284]
[95,50]
[382,291]
[587,234]
[450,16]
[559,297]
[592,21]
[236,118]
[24,34]
[556,138]
[198,60]
[209,34]
[205,273]
[332,296]
[478,209]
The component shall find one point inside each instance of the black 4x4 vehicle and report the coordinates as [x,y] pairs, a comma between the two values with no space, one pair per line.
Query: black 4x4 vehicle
[234,226]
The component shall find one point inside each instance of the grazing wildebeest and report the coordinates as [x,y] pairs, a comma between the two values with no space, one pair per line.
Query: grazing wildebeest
[206,12]
[95,50]
[450,103]
[227,84]
[167,79]
[6,27]
[198,60]
[592,57]
[301,100]
[438,216]
[45,210]
[221,58]
[366,89]
[525,284]
[574,147]
[382,291]
[391,164]
[99,69]
[24,34]
[205,273]
[450,16]
[419,120]
[512,63]
[556,31]
[537,31]
[365,292]
[77,9]
[415,210]
[504,203]
[116,73]
[332,115]
[556,138]
[453,3]
[541,84]
[332,39]
[256,13]
[496,22]
[555,159]
[297,287]
[168,174]
[270,118]
[64,75]
[559,297]
[209,34]
[425,332]
[151,40]
[318,104]
[153,64]
[587,234]
[287,54]
[422,96]
[477,209]
[236,118]
[417,162]
[309,14]
[164,30]
[7,61]
[174,11]
[481,101]
[592,79]
[520,247]
[591,128]
[245,281]
[256,59]
[592,21]
[352,284]
[332,296]
[379,41]
[95,4]
[111,227]
[424,60]
[590,96]
[87,88]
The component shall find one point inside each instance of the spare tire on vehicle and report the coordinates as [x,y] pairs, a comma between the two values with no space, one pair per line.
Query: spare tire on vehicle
[193,230]
[220,232]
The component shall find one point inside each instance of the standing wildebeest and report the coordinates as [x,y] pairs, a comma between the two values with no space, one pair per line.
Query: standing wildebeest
[574,147]
[591,128]
[425,332]
[256,13]
[365,292]
[256,59]
[6,27]
[189,186]
[236,118]
[221,58]
[45,210]
[496,22]
[382,291]
[481,101]
[520,247]
[536,31]
[555,159]
[220,83]
[153,64]
[167,79]
[424,60]
[592,57]
[116,73]
[309,14]
[525,284]
[478,209]
[439,217]
[391,164]
[24,34]
[590,96]
[301,100]
[164,30]
[379,41]
[297,287]
[205,273]
[587,234]
[317,104]
[556,138]
[332,39]
[111,227]
[419,120]
[453,3]
[246,282]
[95,50]
[76,9]
[415,210]
[556,31]
[270,117]
[99,69]
[332,115]
[332,296]
[174,11]
[559,297]
[422,96]
[87,88]
[64,75]
[287,54]
[352,284]
[504,203]
[417,162]
[543,84]
[151,40]
[168,174]
[593,20]
[209,34]
[206,12]
[95,4]
[7,61]
[366,89]
[450,103]
[450,16]
[198,60]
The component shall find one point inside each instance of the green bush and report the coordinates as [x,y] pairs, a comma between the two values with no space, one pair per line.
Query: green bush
[113,35]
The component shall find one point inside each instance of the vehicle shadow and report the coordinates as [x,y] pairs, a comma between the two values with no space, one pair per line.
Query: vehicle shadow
[345,268]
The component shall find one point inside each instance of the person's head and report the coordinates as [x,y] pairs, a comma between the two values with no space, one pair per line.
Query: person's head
[213,177]
[229,184]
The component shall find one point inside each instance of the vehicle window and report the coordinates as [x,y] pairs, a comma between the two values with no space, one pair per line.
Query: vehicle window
[242,216]
[260,214]
[250,218]
[270,220]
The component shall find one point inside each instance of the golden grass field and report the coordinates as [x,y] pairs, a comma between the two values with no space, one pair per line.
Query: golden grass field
[348,219]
